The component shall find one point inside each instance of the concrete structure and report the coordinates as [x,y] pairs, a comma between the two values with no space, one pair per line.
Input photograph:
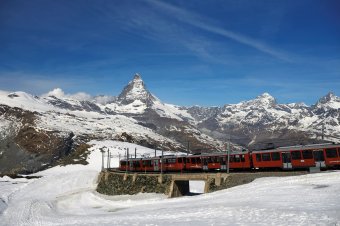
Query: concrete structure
[174,185]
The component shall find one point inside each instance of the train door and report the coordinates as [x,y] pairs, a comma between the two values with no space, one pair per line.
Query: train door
[131,165]
[223,161]
[319,158]
[205,164]
[286,160]
[155,165]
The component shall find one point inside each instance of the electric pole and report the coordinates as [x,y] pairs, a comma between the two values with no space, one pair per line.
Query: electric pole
[102,151]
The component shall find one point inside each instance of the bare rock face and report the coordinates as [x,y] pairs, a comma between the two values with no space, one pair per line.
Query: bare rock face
[25,149]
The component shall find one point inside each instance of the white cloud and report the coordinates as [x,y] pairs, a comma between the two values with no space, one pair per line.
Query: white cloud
[104,99]
[59,93]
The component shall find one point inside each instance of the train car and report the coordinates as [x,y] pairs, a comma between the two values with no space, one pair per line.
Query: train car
[295,157]
[140,164]
[151,164]
[219,161]
[269,159]
[173,163]
[193,163]
[332,156]
[241,160]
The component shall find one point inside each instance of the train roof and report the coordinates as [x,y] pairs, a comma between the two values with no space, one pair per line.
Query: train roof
[225,153]
[300,147]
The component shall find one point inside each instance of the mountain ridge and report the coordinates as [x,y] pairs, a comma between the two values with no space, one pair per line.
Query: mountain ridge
[138,116]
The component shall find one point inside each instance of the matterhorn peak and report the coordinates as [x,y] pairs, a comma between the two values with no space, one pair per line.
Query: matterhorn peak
[135,90]
[137,77]
[327,98]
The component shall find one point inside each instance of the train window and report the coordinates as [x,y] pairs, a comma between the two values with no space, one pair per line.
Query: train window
[179,160]
[339,152]
[193,160]
[266,157]
[237,158]
[147,163]
[296,155]
[231,159]
[198,160]
[307,154]
[172,160]
[275,156]
[258,157]
[123,163]
[242,158]
[331,153]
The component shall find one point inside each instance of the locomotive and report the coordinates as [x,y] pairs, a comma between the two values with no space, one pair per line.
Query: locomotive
[324,156]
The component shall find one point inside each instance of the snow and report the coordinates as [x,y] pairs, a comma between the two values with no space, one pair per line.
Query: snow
[25,101]
[66,196]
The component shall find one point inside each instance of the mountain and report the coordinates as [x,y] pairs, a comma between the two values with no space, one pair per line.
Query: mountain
[257,122]
[40,131]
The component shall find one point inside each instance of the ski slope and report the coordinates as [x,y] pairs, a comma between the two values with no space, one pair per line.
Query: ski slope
[67,196]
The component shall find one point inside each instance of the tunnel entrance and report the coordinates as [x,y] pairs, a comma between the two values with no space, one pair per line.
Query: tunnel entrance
[196,187]
[187,188]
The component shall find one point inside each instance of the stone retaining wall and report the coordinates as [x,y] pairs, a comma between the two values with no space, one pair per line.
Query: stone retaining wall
[175,185]
[129,184]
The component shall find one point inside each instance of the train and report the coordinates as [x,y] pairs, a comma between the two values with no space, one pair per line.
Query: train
[323,156]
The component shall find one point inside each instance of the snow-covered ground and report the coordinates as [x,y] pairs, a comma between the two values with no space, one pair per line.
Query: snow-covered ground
[67,196]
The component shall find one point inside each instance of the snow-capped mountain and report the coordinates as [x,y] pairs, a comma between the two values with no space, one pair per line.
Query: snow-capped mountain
[40,130]
[263,120]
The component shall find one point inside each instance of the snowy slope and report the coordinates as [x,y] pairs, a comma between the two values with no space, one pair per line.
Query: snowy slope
[66,196]
[74,119]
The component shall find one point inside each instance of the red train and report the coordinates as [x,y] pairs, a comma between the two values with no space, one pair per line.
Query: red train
[286,158]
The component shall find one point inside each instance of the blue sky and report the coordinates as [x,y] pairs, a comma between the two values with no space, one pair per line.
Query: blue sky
[188,52]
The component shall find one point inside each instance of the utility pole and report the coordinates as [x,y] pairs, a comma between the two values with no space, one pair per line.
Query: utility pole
[135,153]
[228,149]
[127,159]
[323,131]
[162,162]
[108,159]
[102,151]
